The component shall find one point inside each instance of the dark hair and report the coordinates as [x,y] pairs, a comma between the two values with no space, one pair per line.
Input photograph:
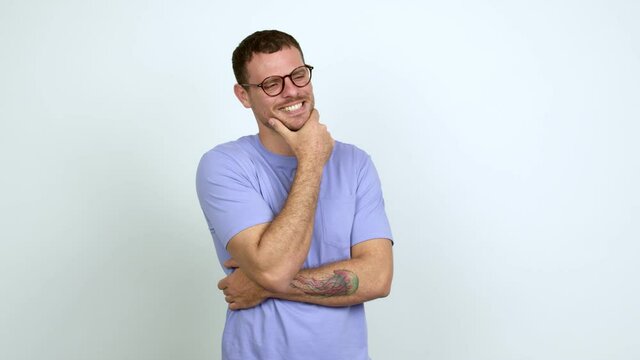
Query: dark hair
[265,41]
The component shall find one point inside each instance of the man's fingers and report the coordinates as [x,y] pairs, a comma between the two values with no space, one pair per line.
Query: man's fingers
[315,115]
[222,284]
[231,264]
[279,127]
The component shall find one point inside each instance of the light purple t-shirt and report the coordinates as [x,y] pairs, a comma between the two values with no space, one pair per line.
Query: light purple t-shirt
[241,184]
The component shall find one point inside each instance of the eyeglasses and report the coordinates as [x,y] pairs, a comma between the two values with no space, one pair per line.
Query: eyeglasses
[274,85]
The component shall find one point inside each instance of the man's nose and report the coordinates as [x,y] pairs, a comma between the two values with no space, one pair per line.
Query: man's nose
[288,87]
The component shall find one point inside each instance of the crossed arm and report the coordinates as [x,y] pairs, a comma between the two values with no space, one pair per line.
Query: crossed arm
[268,257]
[366,276]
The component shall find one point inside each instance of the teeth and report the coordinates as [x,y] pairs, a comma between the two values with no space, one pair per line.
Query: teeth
[292,107]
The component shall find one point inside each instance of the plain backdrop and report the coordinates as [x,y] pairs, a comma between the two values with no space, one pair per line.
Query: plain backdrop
[505,134]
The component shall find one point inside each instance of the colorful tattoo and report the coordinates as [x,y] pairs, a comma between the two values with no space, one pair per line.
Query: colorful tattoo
[342,282]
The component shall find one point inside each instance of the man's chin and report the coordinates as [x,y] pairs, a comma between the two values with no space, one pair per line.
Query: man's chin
[296,123]
[294,128]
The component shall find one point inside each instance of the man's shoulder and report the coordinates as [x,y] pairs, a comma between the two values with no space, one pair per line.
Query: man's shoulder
[236,149]
[233,147]
[227,158]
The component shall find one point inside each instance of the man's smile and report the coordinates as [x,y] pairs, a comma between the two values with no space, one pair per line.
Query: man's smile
[291,108]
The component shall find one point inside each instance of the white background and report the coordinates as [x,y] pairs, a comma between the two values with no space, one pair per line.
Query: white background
[505,134]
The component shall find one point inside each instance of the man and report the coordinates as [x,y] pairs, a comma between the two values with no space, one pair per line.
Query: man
[297,218]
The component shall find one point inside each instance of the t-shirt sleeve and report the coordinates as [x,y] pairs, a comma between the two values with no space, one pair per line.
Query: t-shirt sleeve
[370,220]
[229,199]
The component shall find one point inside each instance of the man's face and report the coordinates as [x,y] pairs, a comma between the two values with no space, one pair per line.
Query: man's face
[293,106]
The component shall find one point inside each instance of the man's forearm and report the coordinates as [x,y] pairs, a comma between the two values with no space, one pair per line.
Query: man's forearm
[339,287]
[271,254]
[366,276]
[288,237]
[347,282]
[340,282]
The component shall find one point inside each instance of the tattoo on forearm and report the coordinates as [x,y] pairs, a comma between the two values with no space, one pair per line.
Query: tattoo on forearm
[342,282]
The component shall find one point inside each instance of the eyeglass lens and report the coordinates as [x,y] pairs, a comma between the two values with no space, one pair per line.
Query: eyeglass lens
[300,77]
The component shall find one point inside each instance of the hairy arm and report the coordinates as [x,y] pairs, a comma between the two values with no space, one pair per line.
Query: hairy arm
[338,282]
[260,250]
[366,276]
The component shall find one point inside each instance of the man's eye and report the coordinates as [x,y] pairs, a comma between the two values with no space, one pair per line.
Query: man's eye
[270,85]
[300,75]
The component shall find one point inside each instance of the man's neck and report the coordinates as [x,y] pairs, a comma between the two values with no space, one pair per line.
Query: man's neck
[273,142]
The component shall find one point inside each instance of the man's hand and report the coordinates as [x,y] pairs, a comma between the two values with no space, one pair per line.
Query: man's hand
[312,143]
[240,292]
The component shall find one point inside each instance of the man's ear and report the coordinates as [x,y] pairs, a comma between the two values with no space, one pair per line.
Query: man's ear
[242,95]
